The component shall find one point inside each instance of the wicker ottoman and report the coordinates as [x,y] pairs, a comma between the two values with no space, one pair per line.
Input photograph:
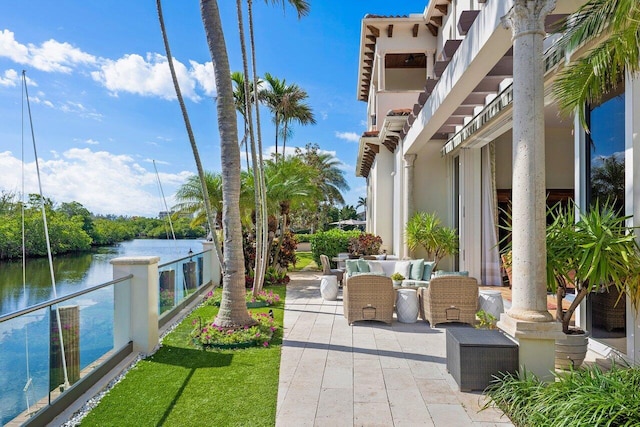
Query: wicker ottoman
[475,355]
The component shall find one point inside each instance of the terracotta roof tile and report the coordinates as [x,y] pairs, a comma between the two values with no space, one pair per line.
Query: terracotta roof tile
[370,133]
[399,112]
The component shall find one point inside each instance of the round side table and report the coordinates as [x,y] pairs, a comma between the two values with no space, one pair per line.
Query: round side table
[407,305]
[329,287]
[491,302]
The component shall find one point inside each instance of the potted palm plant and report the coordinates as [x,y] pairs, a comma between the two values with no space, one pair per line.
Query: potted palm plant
[425,230]
[594,253]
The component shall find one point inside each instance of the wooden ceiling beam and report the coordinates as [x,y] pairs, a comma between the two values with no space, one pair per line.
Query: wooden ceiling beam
[415,30]
[373,147]
[374,30]
[432,29]
[443,8]
[371,46]
[437,20]
[371,37]
[390,30]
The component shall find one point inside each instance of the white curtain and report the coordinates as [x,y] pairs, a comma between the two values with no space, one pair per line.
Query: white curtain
[491,275]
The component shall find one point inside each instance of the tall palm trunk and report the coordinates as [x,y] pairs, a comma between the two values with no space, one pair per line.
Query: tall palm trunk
[258,277]
[233,308]
[194,148]
[263,188]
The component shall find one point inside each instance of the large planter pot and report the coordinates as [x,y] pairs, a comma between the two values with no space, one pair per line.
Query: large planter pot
[571,351]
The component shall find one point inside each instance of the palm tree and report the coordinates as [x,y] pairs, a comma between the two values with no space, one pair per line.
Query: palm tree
[191,201]
[240,99]
[192,140]
[613,29]
[362,202]
[286,103]
[233,310]
[289,184]
[302,7]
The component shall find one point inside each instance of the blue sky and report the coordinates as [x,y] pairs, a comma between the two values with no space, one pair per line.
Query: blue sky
[104,107]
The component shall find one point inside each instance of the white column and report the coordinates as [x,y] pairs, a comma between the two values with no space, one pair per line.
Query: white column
[528,320]
[409,209]
[211,268]
[430,63]
[136,303]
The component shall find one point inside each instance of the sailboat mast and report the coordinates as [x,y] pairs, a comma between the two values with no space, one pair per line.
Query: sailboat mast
[46,232]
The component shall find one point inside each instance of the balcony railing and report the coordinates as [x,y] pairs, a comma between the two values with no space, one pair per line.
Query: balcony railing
[99,329]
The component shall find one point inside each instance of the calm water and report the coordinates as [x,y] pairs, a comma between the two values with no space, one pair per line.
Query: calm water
[76,272]
[28,338]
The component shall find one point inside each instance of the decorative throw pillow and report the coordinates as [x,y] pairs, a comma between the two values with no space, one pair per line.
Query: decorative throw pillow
[403,267]
[363,265]
[452,273]
[428,269]
[417,267]
[351,265]
[375,267]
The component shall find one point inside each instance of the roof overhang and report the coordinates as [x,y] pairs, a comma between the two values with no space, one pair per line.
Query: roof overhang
[372,142]
[373,27]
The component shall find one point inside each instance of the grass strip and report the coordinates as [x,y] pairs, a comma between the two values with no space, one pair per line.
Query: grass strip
[181,385]
[304,259]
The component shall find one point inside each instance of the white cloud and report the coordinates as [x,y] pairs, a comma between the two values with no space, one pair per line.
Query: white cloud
[91,142]
[148,76]
[50,56]
[12,79]
[204,75]
[103,182]
[348,136]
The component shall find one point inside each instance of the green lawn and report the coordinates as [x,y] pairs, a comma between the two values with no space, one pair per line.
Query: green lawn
[183,386]
[304,259]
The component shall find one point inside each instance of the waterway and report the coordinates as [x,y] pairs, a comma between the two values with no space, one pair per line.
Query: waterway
[26,351]
[78,271]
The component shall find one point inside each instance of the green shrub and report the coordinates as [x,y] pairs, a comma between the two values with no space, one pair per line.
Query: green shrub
[331,243]
[586,397]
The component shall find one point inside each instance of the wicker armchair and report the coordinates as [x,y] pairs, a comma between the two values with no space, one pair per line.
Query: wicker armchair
[449,299]
[368,297]
[328,271]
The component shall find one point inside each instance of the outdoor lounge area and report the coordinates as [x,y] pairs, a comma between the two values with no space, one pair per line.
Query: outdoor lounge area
[371,373]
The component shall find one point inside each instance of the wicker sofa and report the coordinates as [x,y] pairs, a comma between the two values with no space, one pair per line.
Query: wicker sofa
[449,299]
[418,272]
[368,297]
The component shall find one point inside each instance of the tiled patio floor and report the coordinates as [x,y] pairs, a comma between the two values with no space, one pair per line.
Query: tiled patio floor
[369,374]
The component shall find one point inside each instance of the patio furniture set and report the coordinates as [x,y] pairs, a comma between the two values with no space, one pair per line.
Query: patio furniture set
[474,356]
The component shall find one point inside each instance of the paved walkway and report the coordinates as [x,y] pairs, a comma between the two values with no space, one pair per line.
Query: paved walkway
[369,374]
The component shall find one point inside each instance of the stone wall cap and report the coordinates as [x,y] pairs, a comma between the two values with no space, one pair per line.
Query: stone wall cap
[135,260]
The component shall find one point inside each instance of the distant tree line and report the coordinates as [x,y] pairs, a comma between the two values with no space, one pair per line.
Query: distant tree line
[72,228]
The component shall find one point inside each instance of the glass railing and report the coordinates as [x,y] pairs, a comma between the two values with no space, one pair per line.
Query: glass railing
[32,353]
[178,279]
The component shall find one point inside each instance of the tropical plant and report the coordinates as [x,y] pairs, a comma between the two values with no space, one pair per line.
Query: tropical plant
[243,100]
[584,397]
[302,7]
[287,105]
[425,230]
[597,251]
[191,201]
[192,139]
[610,29]
[362,202]
[365,244]
[215,336]
[233,310]
[486,320]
